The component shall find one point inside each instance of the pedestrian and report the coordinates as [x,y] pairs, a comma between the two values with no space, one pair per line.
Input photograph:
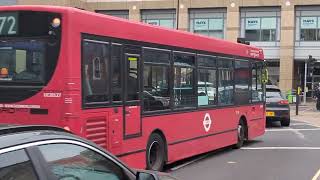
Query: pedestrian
[317,93]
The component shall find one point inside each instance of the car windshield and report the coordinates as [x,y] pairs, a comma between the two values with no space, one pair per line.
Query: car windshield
[273,94]
[22,60]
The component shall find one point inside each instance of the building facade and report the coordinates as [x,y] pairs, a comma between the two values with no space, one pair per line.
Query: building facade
[287,30]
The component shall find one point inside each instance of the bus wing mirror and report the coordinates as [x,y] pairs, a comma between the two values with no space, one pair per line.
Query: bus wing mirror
[265,76]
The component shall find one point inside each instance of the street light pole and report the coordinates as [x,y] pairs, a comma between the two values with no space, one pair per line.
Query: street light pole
[305,83]
[310,61]
[178,12]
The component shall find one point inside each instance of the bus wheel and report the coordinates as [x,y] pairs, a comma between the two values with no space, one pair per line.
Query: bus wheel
[155,152]
[241,133]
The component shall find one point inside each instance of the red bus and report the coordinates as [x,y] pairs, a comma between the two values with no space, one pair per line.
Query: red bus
[149,95]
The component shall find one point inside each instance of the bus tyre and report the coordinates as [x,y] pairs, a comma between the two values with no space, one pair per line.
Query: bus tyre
[155,153]
[285,122]
[241,134]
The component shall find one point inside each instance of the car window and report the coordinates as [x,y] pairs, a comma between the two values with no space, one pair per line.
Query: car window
[270,93]
[73,162]
[16,165]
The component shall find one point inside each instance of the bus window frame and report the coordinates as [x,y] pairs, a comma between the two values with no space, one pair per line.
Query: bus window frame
[121,70]
[91,39]
[171,50]
[231,69]
[249,81]
[215,67]
[195,79]
[152,64]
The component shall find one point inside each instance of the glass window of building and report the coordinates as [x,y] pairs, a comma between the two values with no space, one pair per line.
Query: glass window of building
[116,13]
[8,2]
[260,24]
[164,18]
[308,23]
[208,22]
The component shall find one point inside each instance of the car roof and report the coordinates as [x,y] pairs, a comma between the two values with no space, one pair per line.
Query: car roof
[272,87]
[12,135]
[11,128]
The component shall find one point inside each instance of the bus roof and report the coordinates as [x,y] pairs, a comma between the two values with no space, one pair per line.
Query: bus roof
[87,22]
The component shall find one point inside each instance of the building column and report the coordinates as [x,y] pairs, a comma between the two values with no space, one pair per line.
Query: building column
[287,47]
[233,24]
[183,15]
[134,10]
[41,2]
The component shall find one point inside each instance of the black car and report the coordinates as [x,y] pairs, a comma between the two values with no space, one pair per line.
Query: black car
[50,153]
[277,107]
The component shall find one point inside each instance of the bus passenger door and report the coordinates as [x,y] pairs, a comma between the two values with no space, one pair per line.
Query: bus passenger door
[132,108]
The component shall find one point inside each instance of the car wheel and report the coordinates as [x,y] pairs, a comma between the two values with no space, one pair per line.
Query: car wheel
[285,122]
[241,133]
[155,152]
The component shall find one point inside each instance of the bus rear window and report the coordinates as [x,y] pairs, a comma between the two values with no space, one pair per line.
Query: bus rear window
[22,60]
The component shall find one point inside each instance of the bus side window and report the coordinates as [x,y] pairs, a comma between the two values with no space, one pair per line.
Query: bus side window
[116,85]
[254,87]
[207,80]
[95,72]
[242,81]
[156,93]
[184,81]
[225,81]
[260,85]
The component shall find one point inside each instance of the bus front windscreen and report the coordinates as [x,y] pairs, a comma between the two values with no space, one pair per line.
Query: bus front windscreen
[22,61]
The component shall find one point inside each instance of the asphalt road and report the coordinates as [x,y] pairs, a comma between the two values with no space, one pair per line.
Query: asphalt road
[281,154]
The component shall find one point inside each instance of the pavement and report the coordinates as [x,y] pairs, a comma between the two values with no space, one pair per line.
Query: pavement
[307,113]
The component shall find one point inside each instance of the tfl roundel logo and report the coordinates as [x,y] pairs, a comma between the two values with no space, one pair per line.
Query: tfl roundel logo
[207,122]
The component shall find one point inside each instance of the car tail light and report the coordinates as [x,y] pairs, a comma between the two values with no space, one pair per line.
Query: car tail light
[283,102]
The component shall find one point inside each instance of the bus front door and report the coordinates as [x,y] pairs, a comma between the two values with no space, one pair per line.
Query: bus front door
[132,108]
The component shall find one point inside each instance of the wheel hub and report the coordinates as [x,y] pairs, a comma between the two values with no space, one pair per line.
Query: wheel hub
[154,152]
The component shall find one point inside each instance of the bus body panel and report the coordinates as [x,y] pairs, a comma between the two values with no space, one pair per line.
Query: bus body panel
[132,120]
[257,122]
[186,135]
[51,99]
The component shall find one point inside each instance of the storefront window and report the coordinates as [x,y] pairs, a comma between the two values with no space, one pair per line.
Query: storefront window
[165,18]
[116,13]
[8,2]
[261,29]
[260,24]
[168,23]
[208,22]
[309,28]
